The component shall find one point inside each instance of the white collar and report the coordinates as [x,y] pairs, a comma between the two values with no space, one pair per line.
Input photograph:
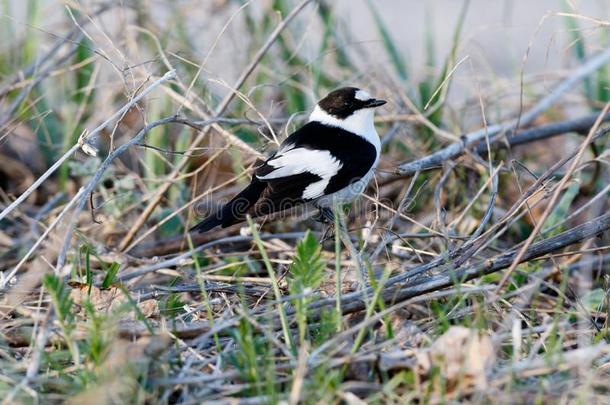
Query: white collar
[360,123]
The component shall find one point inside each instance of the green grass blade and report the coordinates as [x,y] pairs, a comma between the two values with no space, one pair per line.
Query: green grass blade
[389,44]
[110,275]
[434,98]
[578,46]
[274,282]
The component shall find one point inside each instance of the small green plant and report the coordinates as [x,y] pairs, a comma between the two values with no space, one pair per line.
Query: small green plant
[306,274]
[60,296]
[62,303]
[255,361]
[97,342]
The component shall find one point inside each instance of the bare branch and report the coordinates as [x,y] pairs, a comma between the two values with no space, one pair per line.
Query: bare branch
[495,131]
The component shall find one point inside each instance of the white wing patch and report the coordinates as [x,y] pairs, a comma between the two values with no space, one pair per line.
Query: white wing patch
[301,160]
[315,190]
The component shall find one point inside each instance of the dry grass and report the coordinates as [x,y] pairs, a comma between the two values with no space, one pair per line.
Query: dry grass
[475,268]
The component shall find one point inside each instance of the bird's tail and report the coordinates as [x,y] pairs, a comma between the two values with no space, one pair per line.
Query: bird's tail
[235,210]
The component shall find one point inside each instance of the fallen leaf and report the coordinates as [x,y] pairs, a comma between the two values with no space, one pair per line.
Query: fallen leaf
[463,356]
[149,308]
[102,300]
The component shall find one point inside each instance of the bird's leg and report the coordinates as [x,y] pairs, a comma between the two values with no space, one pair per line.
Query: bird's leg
[325,216]
[328,233]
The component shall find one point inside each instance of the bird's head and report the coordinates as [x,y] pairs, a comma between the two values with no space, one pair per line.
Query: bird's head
[348,108]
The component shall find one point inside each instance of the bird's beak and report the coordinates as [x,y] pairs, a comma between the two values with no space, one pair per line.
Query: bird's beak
[372,103]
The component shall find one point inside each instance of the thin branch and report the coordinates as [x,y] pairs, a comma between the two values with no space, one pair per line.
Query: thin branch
[181,258]
[354,302]
[579,125]
[494,131]
[555,197]
[82,143]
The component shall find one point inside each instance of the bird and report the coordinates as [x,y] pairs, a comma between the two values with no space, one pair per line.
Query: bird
[327,161]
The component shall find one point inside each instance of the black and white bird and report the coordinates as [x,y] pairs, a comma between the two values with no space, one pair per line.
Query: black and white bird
[329,160]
